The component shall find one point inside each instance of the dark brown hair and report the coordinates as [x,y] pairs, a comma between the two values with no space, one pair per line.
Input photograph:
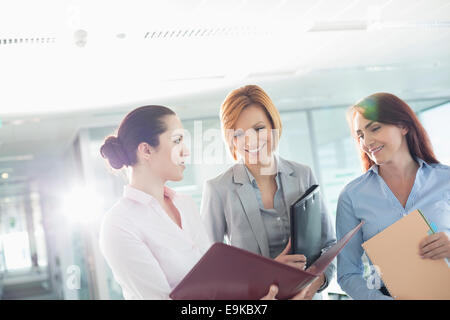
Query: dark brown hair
[144,124]
[388,108]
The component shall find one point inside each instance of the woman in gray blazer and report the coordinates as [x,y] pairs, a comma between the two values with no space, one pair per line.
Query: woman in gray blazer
[248,205]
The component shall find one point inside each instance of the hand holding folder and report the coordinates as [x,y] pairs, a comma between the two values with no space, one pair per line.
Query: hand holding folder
[405,274]
[229,273]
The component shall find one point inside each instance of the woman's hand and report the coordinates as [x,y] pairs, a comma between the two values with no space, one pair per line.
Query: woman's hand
[435,246]
[295,260]
[314,286]
[273,290]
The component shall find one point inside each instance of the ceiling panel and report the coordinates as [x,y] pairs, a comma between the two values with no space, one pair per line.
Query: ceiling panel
[401,9]
[418,10]
[327,10]
[364,10]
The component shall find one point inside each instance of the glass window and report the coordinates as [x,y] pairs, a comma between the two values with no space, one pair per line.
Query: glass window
[435,121]
[39,234]
[337,152]
[14,234]
[17,250]
[295,142]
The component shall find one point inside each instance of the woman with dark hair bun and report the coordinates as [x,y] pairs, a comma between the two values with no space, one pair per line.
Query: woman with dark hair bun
[152,236]
[401,174]
[113,151]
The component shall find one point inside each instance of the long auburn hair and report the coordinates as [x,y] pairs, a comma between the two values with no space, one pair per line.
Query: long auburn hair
[390,109]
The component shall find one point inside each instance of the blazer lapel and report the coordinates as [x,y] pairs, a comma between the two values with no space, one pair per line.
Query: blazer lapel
[251,208]
[289,182]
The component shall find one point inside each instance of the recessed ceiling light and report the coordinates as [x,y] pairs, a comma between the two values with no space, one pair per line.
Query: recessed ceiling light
[17,122]
[17,158]
[5,175]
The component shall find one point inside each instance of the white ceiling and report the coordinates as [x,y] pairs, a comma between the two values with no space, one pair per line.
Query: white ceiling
[189,54]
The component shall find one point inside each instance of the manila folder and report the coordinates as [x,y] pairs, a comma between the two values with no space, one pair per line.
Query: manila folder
[395,251]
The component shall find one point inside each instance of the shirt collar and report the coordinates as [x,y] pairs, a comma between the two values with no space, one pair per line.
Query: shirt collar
[252,178]
[144,198]
[421,163]
[374,168]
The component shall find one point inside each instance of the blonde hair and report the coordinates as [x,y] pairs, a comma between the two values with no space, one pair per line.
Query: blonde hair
[236,101]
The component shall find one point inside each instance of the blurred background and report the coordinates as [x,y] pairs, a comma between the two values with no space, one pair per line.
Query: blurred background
[70,70]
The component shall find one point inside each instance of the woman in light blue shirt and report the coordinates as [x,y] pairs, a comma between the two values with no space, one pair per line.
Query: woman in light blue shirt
[401,174]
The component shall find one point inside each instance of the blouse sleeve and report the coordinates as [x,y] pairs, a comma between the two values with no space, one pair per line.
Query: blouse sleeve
[349,264]
[212,213]
[133,265]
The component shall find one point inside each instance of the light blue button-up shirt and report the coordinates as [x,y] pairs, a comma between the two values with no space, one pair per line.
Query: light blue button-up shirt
[369,198]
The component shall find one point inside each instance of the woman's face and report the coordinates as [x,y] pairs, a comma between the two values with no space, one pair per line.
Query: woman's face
[253,135]
[168,159]
[381,142]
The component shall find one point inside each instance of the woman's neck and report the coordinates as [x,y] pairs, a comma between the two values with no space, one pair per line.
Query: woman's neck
[263,171]
[403,167]
[148,182]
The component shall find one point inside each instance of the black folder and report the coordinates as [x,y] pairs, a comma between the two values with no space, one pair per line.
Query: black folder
[306,225]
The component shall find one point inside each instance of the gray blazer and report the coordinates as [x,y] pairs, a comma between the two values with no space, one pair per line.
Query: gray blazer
[230,208]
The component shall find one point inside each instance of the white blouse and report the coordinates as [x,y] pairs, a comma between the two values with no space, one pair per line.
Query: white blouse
[147,252]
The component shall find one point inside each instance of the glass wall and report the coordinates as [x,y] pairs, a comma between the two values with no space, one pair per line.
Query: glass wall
[338,157]
[435,120]
[22,238]
[295,143]
[14,236]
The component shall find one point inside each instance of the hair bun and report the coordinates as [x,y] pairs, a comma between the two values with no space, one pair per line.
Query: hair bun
[113,151]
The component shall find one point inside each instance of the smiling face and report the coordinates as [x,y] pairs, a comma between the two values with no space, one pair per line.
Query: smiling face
[382,142]
[253,138]
[168,159]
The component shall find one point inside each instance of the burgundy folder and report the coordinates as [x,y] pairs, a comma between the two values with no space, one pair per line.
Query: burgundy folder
[229,273]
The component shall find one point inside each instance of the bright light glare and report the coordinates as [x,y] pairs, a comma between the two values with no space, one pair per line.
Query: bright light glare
[16,249]
[82,205]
